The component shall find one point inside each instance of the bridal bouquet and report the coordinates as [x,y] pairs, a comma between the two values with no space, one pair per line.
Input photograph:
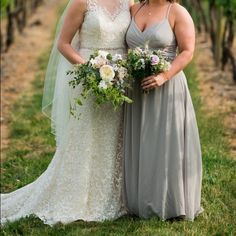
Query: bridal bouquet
[142,63]
[104,76]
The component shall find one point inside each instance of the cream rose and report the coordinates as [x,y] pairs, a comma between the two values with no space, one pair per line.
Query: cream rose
[107,73]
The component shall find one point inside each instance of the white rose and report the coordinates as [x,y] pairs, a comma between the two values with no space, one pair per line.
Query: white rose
[102,85]
[107,73]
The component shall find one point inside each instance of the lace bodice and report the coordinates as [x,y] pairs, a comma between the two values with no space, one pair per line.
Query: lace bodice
[103,29]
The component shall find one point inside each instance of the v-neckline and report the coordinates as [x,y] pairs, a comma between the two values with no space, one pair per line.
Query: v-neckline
[112,15]
[149,27]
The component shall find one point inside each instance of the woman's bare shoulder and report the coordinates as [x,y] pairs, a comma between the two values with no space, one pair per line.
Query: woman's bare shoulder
[78,5]
[179,11]
[135,8]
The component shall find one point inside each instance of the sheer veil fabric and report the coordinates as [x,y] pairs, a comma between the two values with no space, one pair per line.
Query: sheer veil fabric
[56,103]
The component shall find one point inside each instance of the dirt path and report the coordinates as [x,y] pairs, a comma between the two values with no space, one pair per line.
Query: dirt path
[19,65]
[217,89]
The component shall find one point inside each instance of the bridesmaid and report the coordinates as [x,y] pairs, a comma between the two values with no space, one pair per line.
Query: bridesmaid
[163,166]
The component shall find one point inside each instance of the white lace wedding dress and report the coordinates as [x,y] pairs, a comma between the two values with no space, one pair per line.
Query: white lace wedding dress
[84,179]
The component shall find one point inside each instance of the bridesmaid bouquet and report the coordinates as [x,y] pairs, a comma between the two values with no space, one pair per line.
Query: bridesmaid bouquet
[104,76]
[142,63]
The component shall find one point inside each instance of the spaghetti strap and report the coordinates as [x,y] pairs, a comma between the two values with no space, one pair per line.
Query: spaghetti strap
[139,9]
[168,11]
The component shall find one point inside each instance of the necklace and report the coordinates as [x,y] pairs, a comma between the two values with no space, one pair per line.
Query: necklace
[148,8]
[149,12]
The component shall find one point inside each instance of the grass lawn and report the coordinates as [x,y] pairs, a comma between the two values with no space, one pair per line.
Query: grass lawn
[32,147]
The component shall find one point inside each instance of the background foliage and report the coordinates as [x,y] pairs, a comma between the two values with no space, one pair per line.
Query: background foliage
[217,20]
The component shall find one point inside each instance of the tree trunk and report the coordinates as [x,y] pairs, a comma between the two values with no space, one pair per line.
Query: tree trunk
[219,35]
[227,46]
[202,15]
[10,27]
[212,14]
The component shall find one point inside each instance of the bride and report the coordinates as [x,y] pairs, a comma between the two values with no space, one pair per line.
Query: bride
[84,179]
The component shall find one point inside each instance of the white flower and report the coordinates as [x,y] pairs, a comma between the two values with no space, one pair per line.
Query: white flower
[107,73]
[102,85]
[122,72]
[121,81]
[98,62]
[146,48]
[103,54]
[138,50]
[117,57]
[93,62]
[115,67]
[164,65]
[167,66]
[142,63]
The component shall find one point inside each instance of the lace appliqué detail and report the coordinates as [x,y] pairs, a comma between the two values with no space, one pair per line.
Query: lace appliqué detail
[91,5]
[94,5]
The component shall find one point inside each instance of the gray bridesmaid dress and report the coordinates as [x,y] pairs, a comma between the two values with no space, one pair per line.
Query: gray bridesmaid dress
[163,166]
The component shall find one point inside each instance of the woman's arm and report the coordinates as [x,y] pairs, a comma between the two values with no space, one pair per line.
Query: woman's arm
[185,36]
[72,24]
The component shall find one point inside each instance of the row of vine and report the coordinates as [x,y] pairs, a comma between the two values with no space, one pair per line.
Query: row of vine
[16,13]
[217,19]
